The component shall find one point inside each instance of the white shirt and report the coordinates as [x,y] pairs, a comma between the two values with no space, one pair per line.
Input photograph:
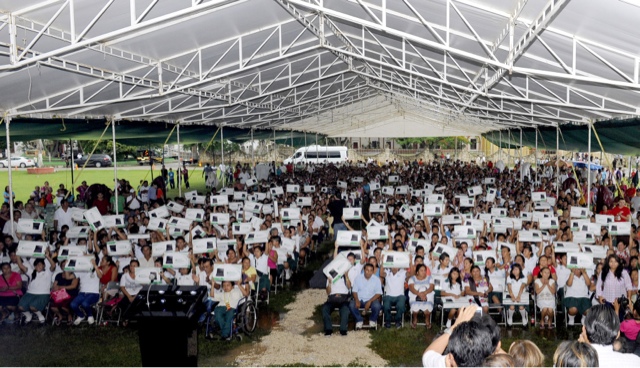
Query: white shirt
[89,282]
[578,288]
[530,264]
[438,271]
[185,280]
[130,284]
[144,263]
[63,218]
[41,285]
[339,287]
[516,285]
[455,289]
[432,359]
[354,272]
[394,283]
[261,264]
[610,358]
[563,274]
[7,230]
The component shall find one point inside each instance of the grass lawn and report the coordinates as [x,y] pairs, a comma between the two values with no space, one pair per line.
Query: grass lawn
[23,183]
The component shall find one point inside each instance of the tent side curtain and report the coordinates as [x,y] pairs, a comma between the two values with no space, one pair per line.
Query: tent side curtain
[138,133]
[617,137]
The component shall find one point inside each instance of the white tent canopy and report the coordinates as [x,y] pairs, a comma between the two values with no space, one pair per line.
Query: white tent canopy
[285,64]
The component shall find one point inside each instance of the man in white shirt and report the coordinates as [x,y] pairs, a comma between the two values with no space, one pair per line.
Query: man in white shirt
[8,229]
[602,334]
[144,192]
[62,216]
[393,295]
[146,261]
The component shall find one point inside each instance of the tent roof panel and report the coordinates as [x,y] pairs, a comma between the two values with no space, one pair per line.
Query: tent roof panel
[294,63]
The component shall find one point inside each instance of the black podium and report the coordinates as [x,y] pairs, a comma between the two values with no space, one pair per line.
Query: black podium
[167,318]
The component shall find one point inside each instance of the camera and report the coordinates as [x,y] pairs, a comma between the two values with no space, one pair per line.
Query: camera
[623,301]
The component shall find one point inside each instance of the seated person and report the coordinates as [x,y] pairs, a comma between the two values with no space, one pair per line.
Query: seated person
[227,298]
[338,297]
[64,280]
[10,291]
[129,287]
[394,295]
[545,288]
[576,298]
[421,295]
[367,291]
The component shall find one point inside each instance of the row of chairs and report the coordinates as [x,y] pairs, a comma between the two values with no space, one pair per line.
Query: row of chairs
[498,311]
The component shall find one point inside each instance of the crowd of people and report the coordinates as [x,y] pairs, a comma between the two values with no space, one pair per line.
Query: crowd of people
[477,246]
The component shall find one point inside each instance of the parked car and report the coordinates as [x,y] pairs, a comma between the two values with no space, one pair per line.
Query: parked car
[94,160]
[18,162]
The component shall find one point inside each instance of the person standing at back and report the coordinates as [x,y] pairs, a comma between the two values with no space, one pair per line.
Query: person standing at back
[336,206]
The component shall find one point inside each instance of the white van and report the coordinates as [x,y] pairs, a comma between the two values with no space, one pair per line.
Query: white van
[318,154]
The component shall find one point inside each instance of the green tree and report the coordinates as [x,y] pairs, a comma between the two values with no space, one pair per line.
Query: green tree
[432,142]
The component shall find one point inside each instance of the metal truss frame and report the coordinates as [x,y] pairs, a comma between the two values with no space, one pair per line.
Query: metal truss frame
[333,60]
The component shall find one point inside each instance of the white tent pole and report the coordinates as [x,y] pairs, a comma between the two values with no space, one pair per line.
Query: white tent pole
[456,149]
[589,170]
[115,165]
[317,158]
[500,148]
[253,159]
[536,158]
[7,121]
[557,160]
[179,171]
[521,163]
[326,150]
[222,143]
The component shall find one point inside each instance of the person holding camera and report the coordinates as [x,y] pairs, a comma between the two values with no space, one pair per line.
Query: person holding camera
[614,283]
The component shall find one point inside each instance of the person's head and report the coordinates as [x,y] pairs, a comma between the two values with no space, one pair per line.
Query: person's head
[516,272]
[39,265]
[575,354]
[6,269]
[444,260]
[368,270]
[207,266]
[468,262]
[246,263]
[612,264]
[133,265]
[454,276]
[601,325]
[499,360]
[526,354]
[421,271]
[146,251]
[545,273]
[544,262]
[227,286]
[487,322]
[469,345]
[475,273]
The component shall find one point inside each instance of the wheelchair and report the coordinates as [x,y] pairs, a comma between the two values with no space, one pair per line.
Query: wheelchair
[245,320]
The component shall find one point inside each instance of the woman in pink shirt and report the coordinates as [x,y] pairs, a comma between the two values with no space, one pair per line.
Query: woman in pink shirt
[631,327]
[10,291]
